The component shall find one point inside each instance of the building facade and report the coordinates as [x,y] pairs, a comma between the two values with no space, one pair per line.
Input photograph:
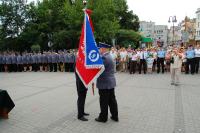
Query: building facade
[147,28]
[197,37]
[188,30]
[158,33]
[174,35]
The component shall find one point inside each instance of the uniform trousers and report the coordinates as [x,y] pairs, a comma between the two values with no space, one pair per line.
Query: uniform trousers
[55,67]
[82,92]
[107,99]
[133,66]
[160,61]
[71,67]
[81,102]
[66,67]
[1,67]
[143,64]
[197,60]
[190,66]
[50,67]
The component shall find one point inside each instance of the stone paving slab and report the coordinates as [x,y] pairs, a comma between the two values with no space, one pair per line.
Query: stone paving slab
[46,103]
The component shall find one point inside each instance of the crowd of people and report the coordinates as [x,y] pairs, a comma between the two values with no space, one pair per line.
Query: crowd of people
[155,59]
[11,61]
[146,60]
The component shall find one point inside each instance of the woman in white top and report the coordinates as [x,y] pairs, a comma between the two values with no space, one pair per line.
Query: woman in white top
[113,54]
[123,59]
[133,63]
[197,58]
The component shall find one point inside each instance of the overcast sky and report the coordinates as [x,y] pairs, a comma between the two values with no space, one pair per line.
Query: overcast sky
[159,10]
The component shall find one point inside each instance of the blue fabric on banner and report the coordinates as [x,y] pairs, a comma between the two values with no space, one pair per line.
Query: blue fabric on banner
[93,58]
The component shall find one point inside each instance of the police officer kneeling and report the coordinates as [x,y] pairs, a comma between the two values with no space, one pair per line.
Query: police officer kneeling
[106,84]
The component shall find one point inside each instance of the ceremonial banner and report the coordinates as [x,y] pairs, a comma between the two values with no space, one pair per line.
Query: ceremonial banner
[89,64]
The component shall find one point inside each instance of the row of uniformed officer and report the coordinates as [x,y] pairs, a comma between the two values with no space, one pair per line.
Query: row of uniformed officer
[46,61]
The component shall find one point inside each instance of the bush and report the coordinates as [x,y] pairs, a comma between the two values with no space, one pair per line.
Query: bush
[35,48]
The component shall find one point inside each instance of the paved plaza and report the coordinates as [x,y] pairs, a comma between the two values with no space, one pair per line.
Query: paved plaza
[46,103]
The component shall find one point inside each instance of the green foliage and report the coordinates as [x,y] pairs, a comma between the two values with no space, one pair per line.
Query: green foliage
[35,48]
[128,37]
[23,25]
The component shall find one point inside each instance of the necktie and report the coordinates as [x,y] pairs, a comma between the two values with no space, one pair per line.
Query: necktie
[143,55]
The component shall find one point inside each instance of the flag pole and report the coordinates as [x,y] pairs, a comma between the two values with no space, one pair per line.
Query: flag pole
[85,8]
[85,4]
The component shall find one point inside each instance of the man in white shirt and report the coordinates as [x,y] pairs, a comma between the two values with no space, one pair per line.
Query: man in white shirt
[143,56]
[197,58]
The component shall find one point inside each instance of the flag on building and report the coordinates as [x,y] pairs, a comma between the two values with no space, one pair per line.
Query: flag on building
[89,64]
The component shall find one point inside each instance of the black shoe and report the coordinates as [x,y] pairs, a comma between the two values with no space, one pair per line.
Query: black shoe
[114,119]
[83,119]
[176,84]
[86,114]
[100,120]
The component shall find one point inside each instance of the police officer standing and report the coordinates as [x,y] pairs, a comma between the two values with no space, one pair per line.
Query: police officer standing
[160,60]
[82,92]
[190,63]
[49,58]
[143,63]
[106,84]
[14,62]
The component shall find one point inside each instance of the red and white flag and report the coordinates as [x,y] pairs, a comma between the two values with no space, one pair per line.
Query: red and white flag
[89,64]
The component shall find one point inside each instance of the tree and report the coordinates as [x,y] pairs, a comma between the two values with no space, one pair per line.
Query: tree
[60,21]
[127,19]
[128,37]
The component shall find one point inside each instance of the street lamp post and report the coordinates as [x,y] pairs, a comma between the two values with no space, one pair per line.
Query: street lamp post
[173,20]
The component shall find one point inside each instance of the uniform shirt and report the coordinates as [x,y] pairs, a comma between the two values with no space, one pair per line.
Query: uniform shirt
[29,59]
[66,57]
[190,54]
[61,58]
[143,55]
[49,58]
[71,58]
[34,58]
[8,59]
[14,59]
[39,57]
[44,58]
[107,79]
[197,52]
[161,54]
[55,58]
[24,59]
[3,59]
[19,59]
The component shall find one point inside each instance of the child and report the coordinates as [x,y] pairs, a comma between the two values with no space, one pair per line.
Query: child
[150,61]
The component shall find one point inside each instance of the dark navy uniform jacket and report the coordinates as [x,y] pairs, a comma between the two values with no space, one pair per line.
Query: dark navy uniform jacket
[107,79]
[1,59]
[14,59]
